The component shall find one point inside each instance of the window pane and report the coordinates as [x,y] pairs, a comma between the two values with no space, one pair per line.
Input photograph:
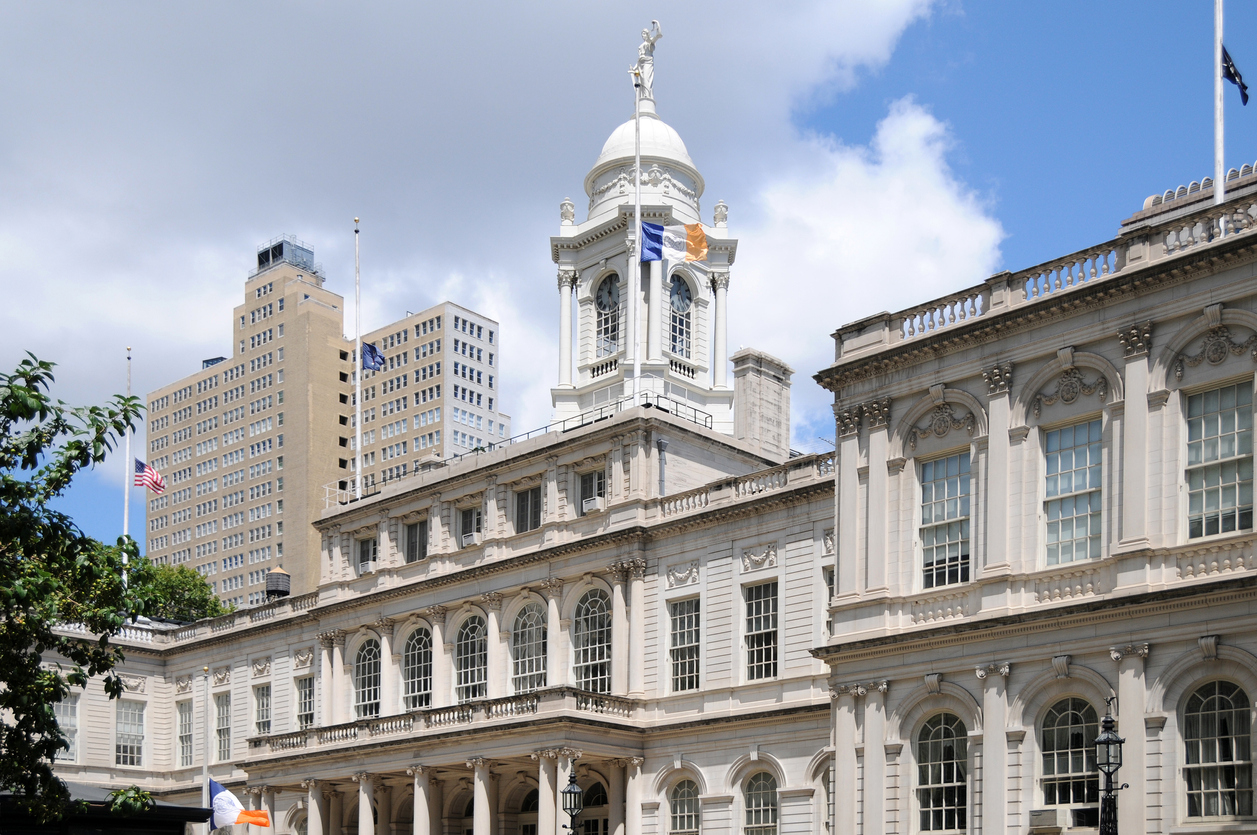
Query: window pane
[1216,737]
[761,631]
[1074,494]
[944,529]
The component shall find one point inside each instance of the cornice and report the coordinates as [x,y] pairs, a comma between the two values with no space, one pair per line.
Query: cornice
[1197,262]
[1095,611]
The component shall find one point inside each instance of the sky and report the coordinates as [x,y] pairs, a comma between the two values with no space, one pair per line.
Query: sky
[874,154]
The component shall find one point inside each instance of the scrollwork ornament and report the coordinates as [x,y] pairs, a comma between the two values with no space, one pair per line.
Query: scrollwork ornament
[1215,347]
[1069,387]
[942,421]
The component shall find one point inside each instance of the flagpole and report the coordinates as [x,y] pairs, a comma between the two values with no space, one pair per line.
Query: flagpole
[357,370]
[205,728]
[1219,174]
[637,236]
[128,475]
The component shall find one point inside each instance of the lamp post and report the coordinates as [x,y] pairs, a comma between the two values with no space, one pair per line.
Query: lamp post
[573,800]
[1108,760]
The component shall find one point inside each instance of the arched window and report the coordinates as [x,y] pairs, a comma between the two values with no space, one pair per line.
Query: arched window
[761,805]
[471,659]
[592,635]
[367,680]
[607,305]
[680,301]
[683,803]
[942,781]
[1070,777]
[595,795]
[531,802]
[1218,767]
[528,646]
[417,669]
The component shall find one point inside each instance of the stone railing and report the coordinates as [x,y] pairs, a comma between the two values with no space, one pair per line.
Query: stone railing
[680,368]
[795,472]
[762,481]
[1137,246]
[685,502]
[553,701]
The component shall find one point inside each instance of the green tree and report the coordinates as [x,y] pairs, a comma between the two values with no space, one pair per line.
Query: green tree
[52,573]
[179,593]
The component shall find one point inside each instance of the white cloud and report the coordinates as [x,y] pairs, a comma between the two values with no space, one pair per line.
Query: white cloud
[850,231]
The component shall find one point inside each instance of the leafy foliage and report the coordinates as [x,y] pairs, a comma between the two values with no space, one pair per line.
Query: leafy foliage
[51,573]
[130,801]
[179,593]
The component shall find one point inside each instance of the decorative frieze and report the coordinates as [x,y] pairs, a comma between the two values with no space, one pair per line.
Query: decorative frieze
[759,556]
[683,575]
[183,684]
[829,541]
[261,666]
[1136,340]
[221,676]
[998,378]
[1215,347]
[1002,669]
[303,658]
[942,421]
[133,684]
[1069,387]
[1139,650]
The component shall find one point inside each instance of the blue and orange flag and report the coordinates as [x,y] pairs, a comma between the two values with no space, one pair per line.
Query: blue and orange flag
[228,811]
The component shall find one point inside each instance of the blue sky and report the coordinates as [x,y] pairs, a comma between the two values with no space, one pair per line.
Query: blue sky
[873,155]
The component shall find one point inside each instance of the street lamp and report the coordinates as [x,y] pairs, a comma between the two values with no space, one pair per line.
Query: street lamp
[573,800]
[1108,760]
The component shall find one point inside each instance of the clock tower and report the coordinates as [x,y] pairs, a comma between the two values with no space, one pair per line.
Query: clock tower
[680,307]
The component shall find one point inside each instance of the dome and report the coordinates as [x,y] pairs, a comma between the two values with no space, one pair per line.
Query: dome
[669,175]
[659,141]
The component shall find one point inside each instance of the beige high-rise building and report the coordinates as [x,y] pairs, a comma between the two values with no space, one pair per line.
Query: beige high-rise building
[250,445]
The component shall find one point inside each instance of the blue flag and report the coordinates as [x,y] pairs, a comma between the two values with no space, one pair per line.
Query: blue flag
[372,359]
[652,241]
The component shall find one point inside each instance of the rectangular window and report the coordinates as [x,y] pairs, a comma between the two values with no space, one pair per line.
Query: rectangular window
[262,709]
[367,552]
[593,488]
[527,510]
[945,521]
[830,577]
[469,523]
[222,726]
[305,702]
[1073,493]
[185,734]
[129,734]
[416,541]
[67,713]
[684,650]
[1220,461]
[761,631]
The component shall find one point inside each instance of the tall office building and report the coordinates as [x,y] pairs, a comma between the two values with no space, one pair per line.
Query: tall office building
[251,443]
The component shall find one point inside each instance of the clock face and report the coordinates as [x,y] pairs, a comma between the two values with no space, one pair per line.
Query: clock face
[609,294]
[681,296]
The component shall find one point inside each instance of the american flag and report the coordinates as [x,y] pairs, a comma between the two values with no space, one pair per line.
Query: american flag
[146,476]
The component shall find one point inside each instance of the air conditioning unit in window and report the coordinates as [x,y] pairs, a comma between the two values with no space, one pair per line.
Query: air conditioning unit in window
[593,505]
[1045,821]
[366,567]
[470,539]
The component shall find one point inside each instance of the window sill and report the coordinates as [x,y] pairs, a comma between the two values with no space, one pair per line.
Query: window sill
[1216,824]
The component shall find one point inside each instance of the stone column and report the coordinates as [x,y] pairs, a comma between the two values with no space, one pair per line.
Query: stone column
[384,805]
[340,694]
[844,761]
[390,675]
[878,412]
[619,632]
[1132,808]
[875,759]
[555,643]
[495,804]
[315,824]
[366,786]
[615,796]
[846,576]
[440,658]
[567,280]
[720,346]
[483,808]
[1137,345]
[999,378]
[335,803]
[436,792]
[547,792]
[634,792]
[994,678]
[422,786]
[436,533]
[326,679]
[637,627]
[496,656]
[268,803]
[654,310]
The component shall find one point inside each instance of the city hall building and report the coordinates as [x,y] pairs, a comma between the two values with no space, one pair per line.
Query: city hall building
[1039,509]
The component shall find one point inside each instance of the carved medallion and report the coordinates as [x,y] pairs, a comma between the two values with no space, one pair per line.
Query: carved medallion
[1069,387]
[942,421]
[1215,347]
